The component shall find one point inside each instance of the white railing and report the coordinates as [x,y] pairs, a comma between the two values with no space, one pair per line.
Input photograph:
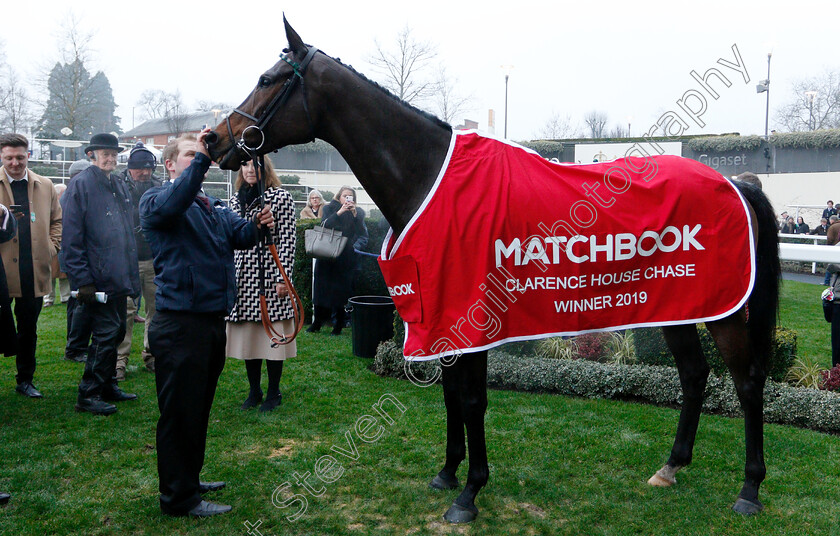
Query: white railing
[812,253]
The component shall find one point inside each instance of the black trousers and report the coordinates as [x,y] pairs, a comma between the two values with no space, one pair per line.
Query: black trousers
[835,335]
[107,323]
[78,330]
[27,311]
[189,350]
[323,315]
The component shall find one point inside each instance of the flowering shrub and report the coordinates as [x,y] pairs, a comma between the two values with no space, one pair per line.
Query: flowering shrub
[831,379]
[591,346]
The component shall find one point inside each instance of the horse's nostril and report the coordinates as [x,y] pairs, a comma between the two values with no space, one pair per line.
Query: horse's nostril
[212,138]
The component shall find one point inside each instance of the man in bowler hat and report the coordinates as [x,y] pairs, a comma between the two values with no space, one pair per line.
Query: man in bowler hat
[100,257]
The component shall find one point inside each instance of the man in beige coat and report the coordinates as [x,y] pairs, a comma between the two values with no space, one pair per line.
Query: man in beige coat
[28,256]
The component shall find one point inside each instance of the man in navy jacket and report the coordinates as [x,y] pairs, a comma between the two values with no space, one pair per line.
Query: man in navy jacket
[192,237]
[100,255]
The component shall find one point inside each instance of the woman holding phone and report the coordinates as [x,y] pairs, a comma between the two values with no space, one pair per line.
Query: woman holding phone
[333,279]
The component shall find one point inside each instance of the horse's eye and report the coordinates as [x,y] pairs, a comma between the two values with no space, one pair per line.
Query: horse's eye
[265,81]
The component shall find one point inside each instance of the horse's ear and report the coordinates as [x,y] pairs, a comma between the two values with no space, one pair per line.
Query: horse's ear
[295,42]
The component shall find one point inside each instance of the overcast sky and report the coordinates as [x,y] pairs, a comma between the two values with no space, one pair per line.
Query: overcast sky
[631,60]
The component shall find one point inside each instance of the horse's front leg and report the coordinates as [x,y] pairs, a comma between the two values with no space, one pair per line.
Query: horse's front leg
[684,343]
[472,382]
[456,445]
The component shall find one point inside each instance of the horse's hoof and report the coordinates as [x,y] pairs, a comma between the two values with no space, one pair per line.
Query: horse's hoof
[657,480]
[459,514]
[747,508]
[442,483]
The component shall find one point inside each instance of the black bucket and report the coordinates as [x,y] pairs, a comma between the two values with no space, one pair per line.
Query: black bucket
[372,318]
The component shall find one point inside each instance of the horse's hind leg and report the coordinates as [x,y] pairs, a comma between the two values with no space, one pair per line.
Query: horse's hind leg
[472,379]
[456,445]
[749,373]
[684,343]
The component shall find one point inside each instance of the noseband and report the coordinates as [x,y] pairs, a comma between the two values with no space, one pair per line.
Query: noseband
[273,107]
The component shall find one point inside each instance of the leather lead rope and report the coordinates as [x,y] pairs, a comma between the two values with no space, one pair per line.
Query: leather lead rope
[273,335]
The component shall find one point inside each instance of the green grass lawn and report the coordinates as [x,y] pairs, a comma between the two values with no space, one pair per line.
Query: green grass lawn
[801,311]
[558,465]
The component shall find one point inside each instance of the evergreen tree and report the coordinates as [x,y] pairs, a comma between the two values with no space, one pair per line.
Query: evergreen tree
[78,101]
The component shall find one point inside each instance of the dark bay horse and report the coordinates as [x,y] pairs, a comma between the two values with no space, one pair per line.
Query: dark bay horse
[396,152]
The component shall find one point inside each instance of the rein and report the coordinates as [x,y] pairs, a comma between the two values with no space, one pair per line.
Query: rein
[260,122]
[274,336]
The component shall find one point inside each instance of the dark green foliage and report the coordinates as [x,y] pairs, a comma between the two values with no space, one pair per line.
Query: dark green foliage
[45,171]
[784,404]
[369,281]
[289,179]
[652,350]
[78,101]
[521,348]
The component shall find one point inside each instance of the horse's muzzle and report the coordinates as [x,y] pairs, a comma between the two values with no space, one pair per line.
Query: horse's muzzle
[211,139]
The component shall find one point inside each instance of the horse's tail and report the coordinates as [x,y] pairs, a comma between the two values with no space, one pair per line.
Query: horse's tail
[764,301]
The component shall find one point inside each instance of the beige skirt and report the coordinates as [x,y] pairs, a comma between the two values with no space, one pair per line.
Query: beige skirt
[247,340]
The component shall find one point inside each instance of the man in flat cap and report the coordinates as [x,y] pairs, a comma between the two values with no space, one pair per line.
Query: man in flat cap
[100,257]
[139,178]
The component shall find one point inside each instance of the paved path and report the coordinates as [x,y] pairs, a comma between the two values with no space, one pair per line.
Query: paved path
[804,278]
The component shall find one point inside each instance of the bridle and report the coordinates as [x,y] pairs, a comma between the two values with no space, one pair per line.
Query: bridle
[265,118]
[274,106]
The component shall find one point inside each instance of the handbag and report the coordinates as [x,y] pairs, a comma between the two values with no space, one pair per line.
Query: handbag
[323,243]
[827,299]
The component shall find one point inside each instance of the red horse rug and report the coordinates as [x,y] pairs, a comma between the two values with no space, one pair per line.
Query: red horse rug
[508,246]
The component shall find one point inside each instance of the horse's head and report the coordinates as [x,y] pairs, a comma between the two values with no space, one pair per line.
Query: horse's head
[278,112]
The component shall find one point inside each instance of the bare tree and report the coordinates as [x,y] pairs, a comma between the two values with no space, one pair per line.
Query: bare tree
[77,98]
[403,70]
[75,44]
[618,131]
[159,104]
[15,106]
[558,127]
[447,103]
[816,105]
[209,106]
[596,123]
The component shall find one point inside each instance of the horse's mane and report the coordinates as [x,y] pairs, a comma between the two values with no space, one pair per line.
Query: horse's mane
[431,117]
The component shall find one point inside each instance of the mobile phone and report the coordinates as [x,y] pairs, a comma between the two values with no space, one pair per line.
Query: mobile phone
[15,208]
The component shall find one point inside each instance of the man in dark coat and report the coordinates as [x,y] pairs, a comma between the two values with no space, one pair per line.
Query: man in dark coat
[78,325]
[100,256]
[192,237]
[829,210]
[139,177]
[8,335]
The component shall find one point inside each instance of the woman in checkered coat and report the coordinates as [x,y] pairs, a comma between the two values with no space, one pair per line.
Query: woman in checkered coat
[246,338]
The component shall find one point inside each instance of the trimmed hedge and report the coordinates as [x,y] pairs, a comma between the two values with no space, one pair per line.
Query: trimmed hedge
[652,350]
[369,280]
[660,385]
